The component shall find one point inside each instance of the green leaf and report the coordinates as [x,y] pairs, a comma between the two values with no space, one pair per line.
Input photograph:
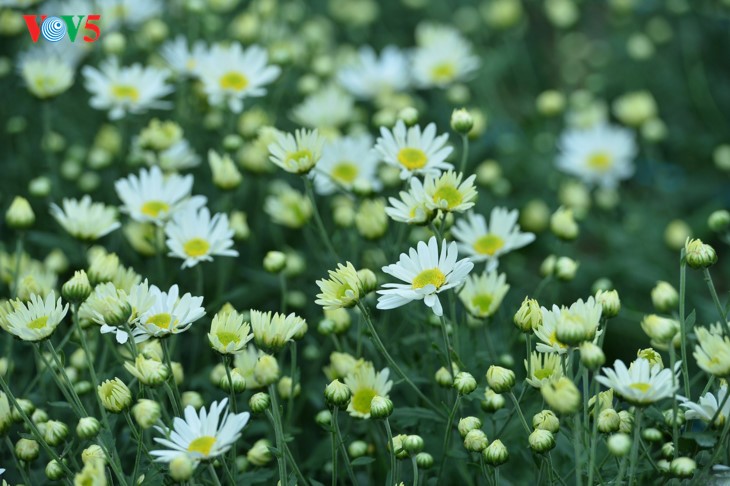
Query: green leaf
[363,461]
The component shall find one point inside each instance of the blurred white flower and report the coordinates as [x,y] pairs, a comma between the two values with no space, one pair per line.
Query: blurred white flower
[371,76]
[183,58]
[348,163]
[327,108]
[84,219]
[442,57]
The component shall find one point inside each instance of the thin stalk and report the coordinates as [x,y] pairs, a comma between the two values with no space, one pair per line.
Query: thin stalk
[576,446]
[214,475]
[294,466]
[345,456]
[447,345]
[292,375]
[334,447]
[683,324]
[175,398]
[715,298]
[18,257]
[279,433]
[447,436]
[635,445]
[519,412]
[318,219]
[391,474]
[234,406]
[675,425]
[464,152]
[593,438]
[137,437]
[720,442]
[528,353]
[415,470]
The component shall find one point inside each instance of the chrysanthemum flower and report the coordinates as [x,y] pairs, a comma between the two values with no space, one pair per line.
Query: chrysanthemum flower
[341,289]
[84,219]
[426,273]
[245,363]
[272,331]
[229,334]
[170,314]
[201,435]
[196,237]
[123,90]
[641,384]
[366,384]
[543,368]
[482,294]
[713,352]
[46,76]
[708,405]
[601,155]
[482,242]
[442,57]
[297,153]
[182,58]
[414,151]
[153,197]
[412,207]
[448,193]
[372,76]
[348,163]
[287,206]
[35,320]
[231,73]
[326,109]
[584,316]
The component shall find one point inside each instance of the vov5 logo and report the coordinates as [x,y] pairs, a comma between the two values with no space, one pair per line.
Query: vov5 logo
[54,28]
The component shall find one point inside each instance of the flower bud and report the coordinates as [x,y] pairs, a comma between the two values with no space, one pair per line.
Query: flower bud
[698,254]
[670,419]
[476,440]
[266,370]
[664,297]
[26,406]
[492,401]
[413,444]
[565,268]
[619,444]
[496,454]
[444,378]
[400,452]
[357,449]
[77,288]
[561,395]
[563,225]
[610,302]
[719,220]
[546,420]
[668,450]
[324,419]
[259,402]
[652,434]
[93,453]
[591,355]
[146,412]
[54,471]
[627,422]
[88,428]
[501,380]
[461,121]
[409,115]
[338,394]
[682,467]
[104,266]
[547,267]
[114,395]
[181,468]
[608,421]
[380,407]
[550,103]
[274,261]
[191,398]
[55,432]
[465,383]
[368,280]
[424,460]
[149,372]
[20,215]
[226,175]
[260,454]
[541,441]
[27,450]
[660,329]
[467,424]
[529,315]
[571,332]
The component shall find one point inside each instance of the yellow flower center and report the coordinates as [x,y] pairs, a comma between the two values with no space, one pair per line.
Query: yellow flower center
[412,158]
[154,208]
[234,81]
[444,71]
[362,398]
[196,247]
[202,445]
[345,172]
[227,337]
[482,302]
[543,373]
[642,387]
[39,323]
[433,276]
[298,155]
[554,340]
[162,320]
[600,161]
[450,194]
[488,244]
[125,92]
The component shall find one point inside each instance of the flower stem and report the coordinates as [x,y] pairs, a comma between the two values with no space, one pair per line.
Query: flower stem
[279,433]
[464,152]
[318,219]
[345,456]
[234,407]
[576,446]
[519,412]
[415,471]
[214,475]
[715,298]
[392,474]
[447,346]
[635,446]
[683,324]
[447,436]
[334,447]
[175,395]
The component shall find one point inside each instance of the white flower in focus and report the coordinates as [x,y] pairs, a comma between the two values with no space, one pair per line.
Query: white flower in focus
[232,73]
[170,314]
[84,219]
[196,237]
[201,435]
[35,320]
[348,163]
[708,406]
[599,155]
[414,151]
[426,273]
[641,384]
[365,384]
[412,207]
[448,193]
[482,242]
[297,153]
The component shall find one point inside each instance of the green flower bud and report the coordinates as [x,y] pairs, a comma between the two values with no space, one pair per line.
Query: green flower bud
[324,419]
[476,440]
[380,407]
[698,254]
[683,467]
[609,301]
[413,444]
[501,380]
[541,441]
[54,471]
[27,450]
[619,444]
[546,420]
[468,424]
[88,428]
[259,402]
[608,421]
[652,434]
[465,383]
[77,288]
[496,454]
[338,394]
[461,121]
[181,468]
[357,449]
[20,215]
[424,460]
[719,220]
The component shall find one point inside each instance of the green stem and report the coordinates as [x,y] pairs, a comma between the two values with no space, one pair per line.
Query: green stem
[715,298]
[415,470]
[214,475]
[140,443]
[683,324]
[635,445]
[294,466]
[345,456]
[334,447]
[279,433]
[175,398]
[391,475]
[18,258]
[234,407]
[292,375]
[318,219]
[447,436]
[528,353]
[675,425]
[464,152]
[593,437]
[519,412]
[576,446]
[447,346]
[282,284]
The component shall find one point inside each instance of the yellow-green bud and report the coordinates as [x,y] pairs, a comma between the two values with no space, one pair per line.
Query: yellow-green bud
[357,449]
[77,288]
[266,370]
[547,267]
[676,234]
[563,225]
[380,407]
[444,378]
[20,215]
[493,401]
[275,261]
[627,422]
[610,302]
[88,428]
[501,380]
[54,471]
[683,467]
[260,454]
[149,372]
[83,387]
[571,332]
[413,444]
[496,454]
[259,402]
[529,316]
[698,254]
[550,103]
[114,395]
[664,297]
[465,383]
[368,280]
[55,432]
[467,424]
[181,468]
[324,419]
[546,420]
[565,268]
[461,121]
[652,434]
[561,395]
[191,398]
[27,450]
[424,460]
[476,440]
[670,418]
[104,266]
[719,220]
[667,450]
[338,394]
[608,421]
[146,412]
[237,381]
[409,115]
[619,444]
[535,216]
[26,406]
[541,441]
[39,416]
[591,355]
[660,329]
[663,466]
[93,453]
[398,449]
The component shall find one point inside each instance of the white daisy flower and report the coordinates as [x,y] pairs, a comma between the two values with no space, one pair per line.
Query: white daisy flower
[586,314]
[488,243]
[366,384]
[414,151]
[348,163]
[231,73]
[442,57]
[372,76]
[180,156]
[426,273]
[46,75]
[544,368]
[297,153]
[170,314]
[201,435]
[448,193]
[140,298]
[708,406]
[84,219]
[641,384]
[123,90]
[412,207]
[196,237]
[482,294]
[35,320]
[182,58]
[599,155]
[547,332]
[153,197]
[328,108]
